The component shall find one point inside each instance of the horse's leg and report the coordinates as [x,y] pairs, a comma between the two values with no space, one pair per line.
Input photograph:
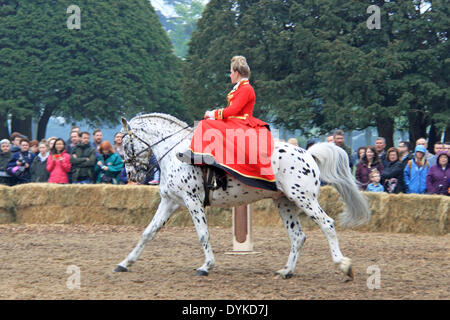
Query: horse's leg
[165,210]
[197,211]
[310,205]
[289,214]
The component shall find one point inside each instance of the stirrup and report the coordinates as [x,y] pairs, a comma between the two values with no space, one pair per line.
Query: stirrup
[186,157]
[189,157]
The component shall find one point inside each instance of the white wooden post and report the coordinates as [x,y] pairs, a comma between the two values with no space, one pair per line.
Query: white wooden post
[242,229]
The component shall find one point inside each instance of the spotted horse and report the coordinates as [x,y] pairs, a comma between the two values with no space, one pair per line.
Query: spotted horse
[298,174]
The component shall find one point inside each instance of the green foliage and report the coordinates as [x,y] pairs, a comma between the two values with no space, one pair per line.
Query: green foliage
[317,64]
[119,62]
[184,24]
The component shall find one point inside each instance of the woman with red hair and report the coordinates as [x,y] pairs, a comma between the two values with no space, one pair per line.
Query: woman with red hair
[109,164]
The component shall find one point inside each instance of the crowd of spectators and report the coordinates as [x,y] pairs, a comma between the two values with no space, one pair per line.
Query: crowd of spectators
[400,169]
[77,160]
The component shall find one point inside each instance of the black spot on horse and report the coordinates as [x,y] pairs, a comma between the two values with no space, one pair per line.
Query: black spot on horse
[282,151]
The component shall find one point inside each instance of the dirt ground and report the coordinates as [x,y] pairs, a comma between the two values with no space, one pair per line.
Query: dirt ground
[35,263]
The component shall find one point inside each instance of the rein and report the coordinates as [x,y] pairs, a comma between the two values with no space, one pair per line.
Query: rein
[133,159]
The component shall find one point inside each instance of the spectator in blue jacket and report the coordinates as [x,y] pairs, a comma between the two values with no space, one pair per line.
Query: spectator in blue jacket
[416,171]
[375,185]
[19,165]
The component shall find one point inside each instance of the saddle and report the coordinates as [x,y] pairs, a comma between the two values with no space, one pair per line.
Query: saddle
[213,179]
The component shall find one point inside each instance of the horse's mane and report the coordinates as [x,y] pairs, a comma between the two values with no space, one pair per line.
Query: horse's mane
[164,116]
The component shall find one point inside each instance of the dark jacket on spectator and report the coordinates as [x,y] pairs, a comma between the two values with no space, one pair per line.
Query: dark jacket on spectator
[392,177]
[38,169]
[28,157]
[348,150]
[14,149]
[438,177]
[4,160]
[383,158]
[81,167]
[123,176]
[363,171]
[405,159]
[153,174]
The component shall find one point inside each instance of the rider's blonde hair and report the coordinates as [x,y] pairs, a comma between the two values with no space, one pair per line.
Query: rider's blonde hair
[239,64]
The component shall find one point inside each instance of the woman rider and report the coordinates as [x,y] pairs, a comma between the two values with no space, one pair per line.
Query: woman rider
[232,139]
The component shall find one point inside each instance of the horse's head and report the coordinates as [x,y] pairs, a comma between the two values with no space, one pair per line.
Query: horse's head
[137,154]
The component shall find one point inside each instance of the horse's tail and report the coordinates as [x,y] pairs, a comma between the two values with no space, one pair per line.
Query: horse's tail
[335,170]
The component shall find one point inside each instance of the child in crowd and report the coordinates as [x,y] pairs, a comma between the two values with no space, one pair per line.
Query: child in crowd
[375,185]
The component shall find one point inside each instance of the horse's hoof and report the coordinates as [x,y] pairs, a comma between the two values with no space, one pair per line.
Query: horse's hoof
[284,274]
[350,274]
[201,273]
[346,267]
[120,269]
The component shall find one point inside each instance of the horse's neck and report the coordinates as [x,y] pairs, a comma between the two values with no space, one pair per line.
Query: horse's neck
[161,131]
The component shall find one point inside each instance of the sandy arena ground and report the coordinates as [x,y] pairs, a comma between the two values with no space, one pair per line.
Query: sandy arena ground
[34,261]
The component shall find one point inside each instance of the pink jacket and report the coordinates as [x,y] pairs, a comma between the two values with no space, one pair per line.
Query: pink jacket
[58,168]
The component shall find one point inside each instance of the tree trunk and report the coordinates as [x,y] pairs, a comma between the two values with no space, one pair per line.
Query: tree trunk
[43,121]
[417,126]
[21,125]
[349,139]
[368,136]
[447,134]
[385,128]
[4,131]
[434,137]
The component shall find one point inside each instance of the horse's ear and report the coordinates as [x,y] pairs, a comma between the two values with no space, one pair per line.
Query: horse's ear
[125,125]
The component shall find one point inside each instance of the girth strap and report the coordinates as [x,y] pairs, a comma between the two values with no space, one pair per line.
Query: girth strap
[213,179]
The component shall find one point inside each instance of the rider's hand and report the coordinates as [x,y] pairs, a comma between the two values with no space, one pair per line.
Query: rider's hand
[209,115]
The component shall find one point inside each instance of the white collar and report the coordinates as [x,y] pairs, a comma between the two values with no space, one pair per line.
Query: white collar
[239,83]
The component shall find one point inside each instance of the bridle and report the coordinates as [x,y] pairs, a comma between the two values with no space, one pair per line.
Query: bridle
[134,161]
